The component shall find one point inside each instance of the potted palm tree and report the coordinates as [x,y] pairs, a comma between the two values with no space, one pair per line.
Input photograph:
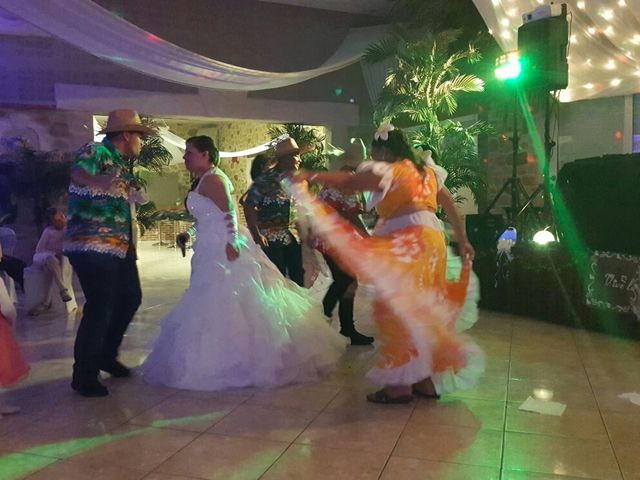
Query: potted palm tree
[422,88]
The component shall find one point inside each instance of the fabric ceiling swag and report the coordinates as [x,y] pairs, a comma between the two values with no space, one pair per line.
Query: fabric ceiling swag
[604,42]
[90,27]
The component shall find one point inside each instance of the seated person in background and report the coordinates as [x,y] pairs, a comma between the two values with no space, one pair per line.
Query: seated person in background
[48,255]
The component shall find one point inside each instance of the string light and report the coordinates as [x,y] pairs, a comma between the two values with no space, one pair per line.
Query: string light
[607,14]
[605,50]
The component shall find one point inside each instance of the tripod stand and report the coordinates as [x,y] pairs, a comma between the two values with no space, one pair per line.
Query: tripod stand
[545,188]
[519,195]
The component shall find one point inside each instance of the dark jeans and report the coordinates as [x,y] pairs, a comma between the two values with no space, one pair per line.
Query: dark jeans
[288,259]
[338,293]
[14,267]
[112,292]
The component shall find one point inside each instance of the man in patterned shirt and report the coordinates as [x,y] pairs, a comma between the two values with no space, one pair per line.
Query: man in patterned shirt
[99,244]
[270,216]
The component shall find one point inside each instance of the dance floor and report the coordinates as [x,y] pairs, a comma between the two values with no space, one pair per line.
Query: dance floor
[327,429]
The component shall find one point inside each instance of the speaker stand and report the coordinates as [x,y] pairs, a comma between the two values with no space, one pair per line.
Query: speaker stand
[513,185]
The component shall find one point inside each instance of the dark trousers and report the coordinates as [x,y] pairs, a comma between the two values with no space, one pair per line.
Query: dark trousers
[112,292]
[337,293]
[14,267]
[288,259]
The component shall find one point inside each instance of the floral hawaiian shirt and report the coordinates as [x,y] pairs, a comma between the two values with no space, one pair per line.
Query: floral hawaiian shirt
[274,209]
[99,221]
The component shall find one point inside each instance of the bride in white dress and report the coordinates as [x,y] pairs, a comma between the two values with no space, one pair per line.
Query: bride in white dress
[240,323]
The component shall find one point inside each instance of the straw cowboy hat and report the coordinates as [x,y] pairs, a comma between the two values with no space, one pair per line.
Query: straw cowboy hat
[286,147]
[353,154]
[124,120]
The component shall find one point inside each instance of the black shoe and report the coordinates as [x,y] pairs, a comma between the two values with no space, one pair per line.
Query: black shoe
[116,369]
[90,389]
[357,338]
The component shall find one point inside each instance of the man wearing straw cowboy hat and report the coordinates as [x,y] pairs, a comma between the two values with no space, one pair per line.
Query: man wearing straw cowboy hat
[100,247]
[270,216]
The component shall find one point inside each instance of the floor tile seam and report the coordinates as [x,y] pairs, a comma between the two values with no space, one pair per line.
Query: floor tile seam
[598,403]
[561,436]
[142,412]
[317,415]
[197,435]
[595,409]
[447,462]
[35,472]
[537,472]
[275,461]
[77,462]
[504,422]
[4,453]
[395,444]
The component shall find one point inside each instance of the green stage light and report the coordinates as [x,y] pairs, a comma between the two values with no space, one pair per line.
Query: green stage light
[508,66]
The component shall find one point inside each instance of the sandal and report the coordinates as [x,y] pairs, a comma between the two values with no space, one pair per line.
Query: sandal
[418,393]
[382,397]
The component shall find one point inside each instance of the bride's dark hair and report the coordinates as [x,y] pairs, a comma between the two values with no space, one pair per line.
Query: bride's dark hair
[203,143]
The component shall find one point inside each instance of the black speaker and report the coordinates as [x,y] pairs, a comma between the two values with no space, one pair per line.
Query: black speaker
[483,230]
[602,196]
[543,50]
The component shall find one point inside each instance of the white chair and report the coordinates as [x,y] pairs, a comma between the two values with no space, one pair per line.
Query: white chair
[8,242]
[39,288]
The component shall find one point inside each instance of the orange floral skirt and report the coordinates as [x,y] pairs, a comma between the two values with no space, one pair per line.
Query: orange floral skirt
[415,308]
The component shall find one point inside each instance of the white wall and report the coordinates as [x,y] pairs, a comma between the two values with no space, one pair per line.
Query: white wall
[588,128]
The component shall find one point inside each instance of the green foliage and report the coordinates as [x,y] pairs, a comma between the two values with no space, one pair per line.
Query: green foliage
[41,176]
[425,78]
[310,141]
[423,85]
[455,148]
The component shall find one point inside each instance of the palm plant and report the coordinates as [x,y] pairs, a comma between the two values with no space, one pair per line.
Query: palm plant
[426,79]
[423,86]
[41,176]
[310,141]
[454,147]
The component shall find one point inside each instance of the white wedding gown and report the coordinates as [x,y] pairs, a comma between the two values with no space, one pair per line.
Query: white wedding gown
[240,323]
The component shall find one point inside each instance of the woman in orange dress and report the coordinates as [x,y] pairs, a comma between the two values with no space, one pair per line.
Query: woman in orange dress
[420,352]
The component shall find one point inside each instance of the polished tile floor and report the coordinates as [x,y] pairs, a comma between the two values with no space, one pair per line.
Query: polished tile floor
[327,430]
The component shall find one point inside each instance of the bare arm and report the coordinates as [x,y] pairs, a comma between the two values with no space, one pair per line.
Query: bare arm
[214,188]
[251,216]
[359,182]
[448,204]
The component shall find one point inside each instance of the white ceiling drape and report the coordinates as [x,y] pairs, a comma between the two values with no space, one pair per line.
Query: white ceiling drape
[604,44]
[90,27]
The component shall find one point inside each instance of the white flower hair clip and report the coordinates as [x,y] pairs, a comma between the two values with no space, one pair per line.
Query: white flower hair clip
[383,131]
